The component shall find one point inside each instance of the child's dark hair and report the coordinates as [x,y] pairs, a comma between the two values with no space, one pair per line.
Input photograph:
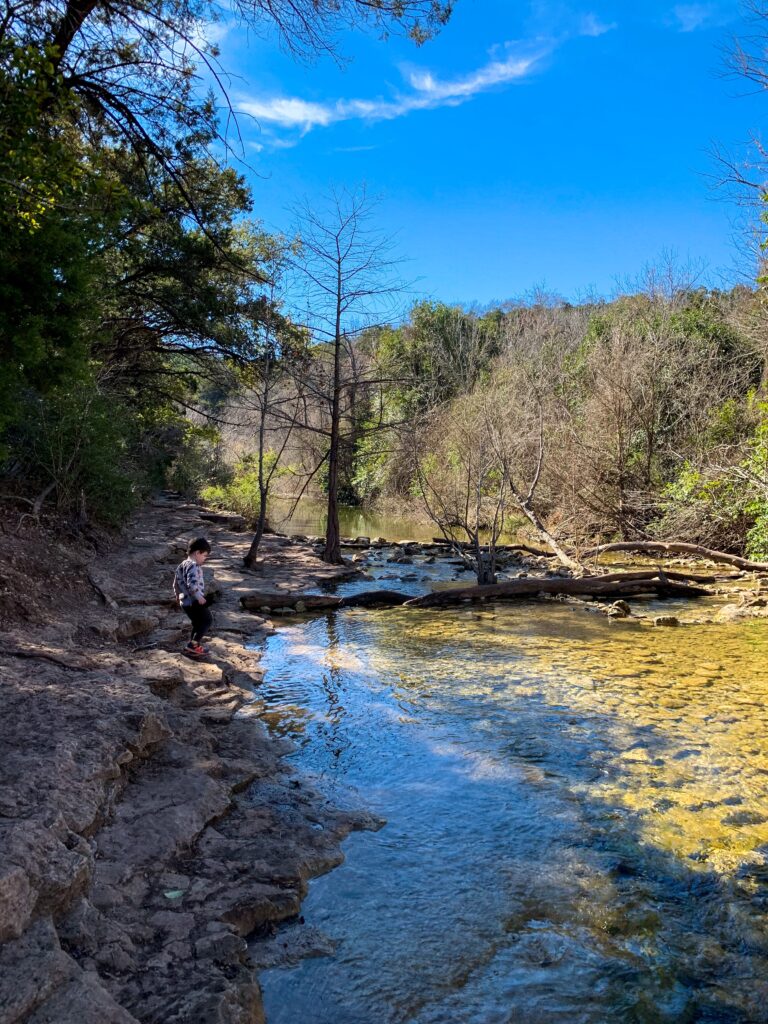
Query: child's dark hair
[199,544]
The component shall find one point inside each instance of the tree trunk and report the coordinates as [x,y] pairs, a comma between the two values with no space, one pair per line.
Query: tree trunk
[374,598]
[619,584]
[323,602]
[485,573]
[253,550]
[673,547]
[332,550]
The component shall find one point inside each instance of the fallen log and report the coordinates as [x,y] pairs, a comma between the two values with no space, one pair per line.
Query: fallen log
[529,550]
[617,585]
[371,598]
[255,602]
[322,602]
[76,665]
[677,548]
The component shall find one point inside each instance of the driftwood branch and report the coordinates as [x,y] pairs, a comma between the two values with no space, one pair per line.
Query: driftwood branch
[17,497]
[501,547]
[678,548]
[105,597]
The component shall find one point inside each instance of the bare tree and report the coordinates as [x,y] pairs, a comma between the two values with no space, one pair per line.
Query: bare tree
[514,406]
[486,451]
[461,480]
[347,270]
[641,388]
[741,175]
[271,389]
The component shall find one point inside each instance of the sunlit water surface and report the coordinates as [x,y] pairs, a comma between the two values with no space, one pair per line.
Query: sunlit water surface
[577,815]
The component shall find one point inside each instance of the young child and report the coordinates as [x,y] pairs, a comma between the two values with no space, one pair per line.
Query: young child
[189,589]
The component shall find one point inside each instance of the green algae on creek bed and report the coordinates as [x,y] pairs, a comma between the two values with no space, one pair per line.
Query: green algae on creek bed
[577,816]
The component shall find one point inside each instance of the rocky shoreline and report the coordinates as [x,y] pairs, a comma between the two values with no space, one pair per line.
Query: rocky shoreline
[151,834]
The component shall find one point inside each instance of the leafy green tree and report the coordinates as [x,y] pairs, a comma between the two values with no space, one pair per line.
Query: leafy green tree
[440,353]
[49,225]
[136,65]
[129,270]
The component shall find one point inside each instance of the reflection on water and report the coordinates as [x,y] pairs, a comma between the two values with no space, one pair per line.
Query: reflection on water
[310,517]
[577,817]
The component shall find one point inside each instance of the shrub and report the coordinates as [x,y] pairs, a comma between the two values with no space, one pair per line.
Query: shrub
[195,461]
[76,447]
[241,492]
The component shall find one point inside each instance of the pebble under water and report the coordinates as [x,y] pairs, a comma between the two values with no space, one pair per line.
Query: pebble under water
[577,817]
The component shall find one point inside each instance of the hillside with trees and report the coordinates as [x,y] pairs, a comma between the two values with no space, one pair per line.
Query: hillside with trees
[636,419]
[153,333]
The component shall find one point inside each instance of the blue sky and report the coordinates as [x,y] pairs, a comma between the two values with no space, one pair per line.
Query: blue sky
[530,144]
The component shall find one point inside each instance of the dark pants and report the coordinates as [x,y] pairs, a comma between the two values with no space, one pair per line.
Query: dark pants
[201,619]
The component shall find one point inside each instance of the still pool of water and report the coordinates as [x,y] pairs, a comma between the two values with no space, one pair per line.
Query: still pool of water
[577,816]
[311,517]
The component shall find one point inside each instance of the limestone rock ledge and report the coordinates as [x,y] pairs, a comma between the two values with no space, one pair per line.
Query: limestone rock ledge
[148,825]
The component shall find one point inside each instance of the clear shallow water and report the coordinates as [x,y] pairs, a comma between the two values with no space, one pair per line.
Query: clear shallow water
[577,816]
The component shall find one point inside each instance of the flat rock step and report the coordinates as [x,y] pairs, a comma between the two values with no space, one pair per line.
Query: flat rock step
[229,519]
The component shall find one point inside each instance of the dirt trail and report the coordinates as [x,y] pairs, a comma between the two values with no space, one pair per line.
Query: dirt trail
[147,822]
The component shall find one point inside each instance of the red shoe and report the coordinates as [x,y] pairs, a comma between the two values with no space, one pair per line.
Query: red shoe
[193,650]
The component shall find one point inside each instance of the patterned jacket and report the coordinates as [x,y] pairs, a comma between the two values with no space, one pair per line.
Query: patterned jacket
[188,582]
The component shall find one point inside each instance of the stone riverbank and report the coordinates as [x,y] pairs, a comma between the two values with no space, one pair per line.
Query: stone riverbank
[148,824]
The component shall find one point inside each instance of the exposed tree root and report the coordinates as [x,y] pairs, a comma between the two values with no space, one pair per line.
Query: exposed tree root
[78,665]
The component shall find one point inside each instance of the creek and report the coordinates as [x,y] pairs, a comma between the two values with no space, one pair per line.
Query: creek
[576,807]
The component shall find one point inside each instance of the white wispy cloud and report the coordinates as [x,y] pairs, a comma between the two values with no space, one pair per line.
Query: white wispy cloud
[507,64]
[557,19]
[427,92]
[354,149]
[690,17]
[591,25]
[431,91]
[291,112]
